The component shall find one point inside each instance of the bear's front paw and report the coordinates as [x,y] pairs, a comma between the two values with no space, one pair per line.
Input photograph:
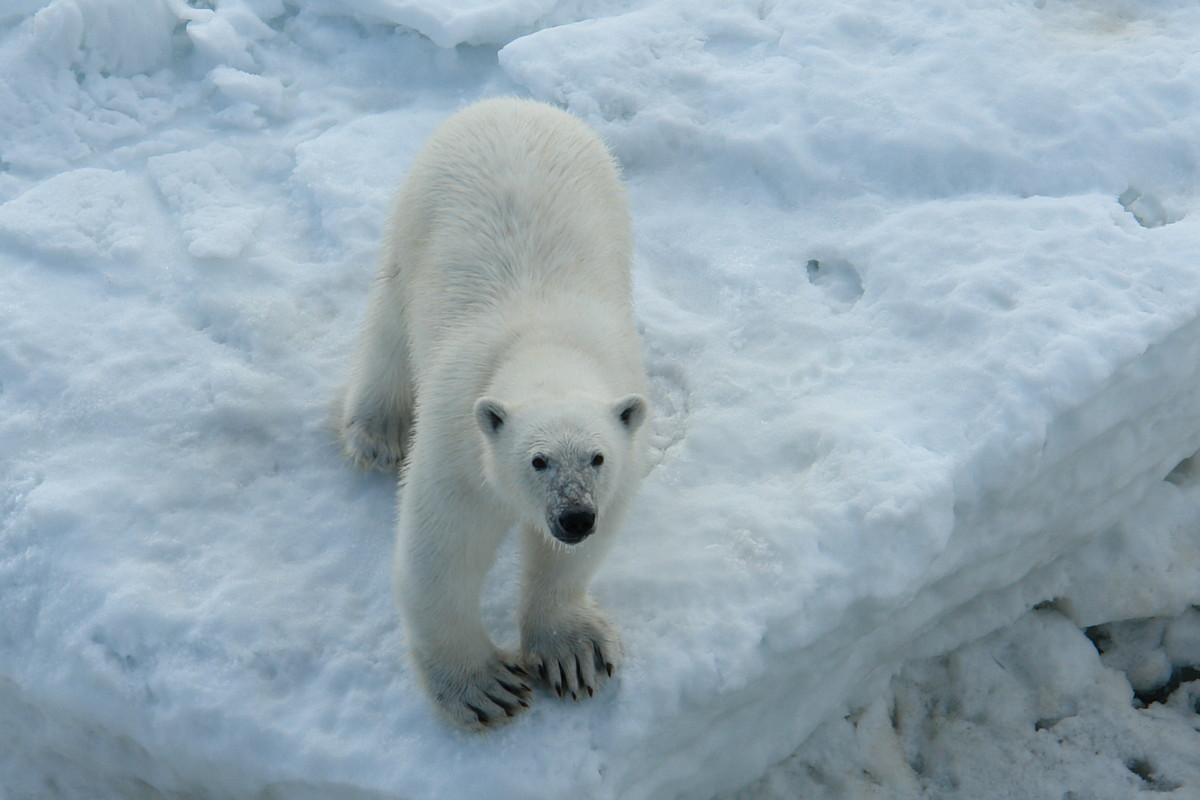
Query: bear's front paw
[479,696]
[572,654]
[371,441]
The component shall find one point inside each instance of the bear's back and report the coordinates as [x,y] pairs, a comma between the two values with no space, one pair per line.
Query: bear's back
[509,201]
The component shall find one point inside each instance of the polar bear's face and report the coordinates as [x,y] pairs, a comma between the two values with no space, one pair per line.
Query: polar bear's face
[560,463]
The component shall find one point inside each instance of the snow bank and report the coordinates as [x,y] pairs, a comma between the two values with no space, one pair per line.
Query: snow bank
[1030,711]
[922,314]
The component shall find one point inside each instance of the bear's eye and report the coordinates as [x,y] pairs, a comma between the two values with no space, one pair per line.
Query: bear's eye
[539,463]
[597,460]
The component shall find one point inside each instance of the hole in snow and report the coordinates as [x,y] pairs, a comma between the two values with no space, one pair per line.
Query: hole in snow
[1185,472]
[1161,694]
[1141,767]
[1100,638]
[838,279]
[1145,770]
[1146,209]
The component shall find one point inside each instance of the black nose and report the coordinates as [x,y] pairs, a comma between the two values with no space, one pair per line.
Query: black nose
[577,523]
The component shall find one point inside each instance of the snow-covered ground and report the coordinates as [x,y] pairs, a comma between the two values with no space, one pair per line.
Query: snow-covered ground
[919,285]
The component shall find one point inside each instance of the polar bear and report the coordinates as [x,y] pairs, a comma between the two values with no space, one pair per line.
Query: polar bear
[499,364]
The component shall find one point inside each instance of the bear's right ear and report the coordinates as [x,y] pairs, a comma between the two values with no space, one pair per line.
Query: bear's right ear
[490,415]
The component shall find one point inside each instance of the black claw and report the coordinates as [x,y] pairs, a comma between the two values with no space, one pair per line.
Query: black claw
[508,707]
[543,673]
[482,717]
[518,691]
[609,668]
[597,656]
[590,692]
[562,675]
[517,670]
[579,672]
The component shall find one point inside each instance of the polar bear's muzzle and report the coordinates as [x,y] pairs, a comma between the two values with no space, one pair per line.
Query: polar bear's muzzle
[573,525]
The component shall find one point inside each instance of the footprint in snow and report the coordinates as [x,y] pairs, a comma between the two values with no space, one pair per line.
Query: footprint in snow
[1147,209]
[838,280]
[669,395]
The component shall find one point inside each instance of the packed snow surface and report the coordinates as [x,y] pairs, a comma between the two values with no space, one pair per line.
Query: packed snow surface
[919,286]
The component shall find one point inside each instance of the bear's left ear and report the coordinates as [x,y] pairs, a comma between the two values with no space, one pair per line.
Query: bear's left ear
[490,415]
[631,411]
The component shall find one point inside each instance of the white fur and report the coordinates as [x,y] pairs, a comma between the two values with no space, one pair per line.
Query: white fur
[500,331]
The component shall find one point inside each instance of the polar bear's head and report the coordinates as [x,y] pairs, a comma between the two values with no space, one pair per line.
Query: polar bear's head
[562,463]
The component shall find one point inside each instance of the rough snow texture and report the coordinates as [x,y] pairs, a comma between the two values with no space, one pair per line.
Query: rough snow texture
[1030,711]
[919,294]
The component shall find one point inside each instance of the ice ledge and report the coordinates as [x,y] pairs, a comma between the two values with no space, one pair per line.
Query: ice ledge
[1096,511]
[456,22]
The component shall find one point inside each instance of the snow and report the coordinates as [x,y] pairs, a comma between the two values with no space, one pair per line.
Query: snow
[919,294]
[1030,711]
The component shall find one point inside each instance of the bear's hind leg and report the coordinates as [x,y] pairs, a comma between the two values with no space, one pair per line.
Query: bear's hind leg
[567,641]
[376,408]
